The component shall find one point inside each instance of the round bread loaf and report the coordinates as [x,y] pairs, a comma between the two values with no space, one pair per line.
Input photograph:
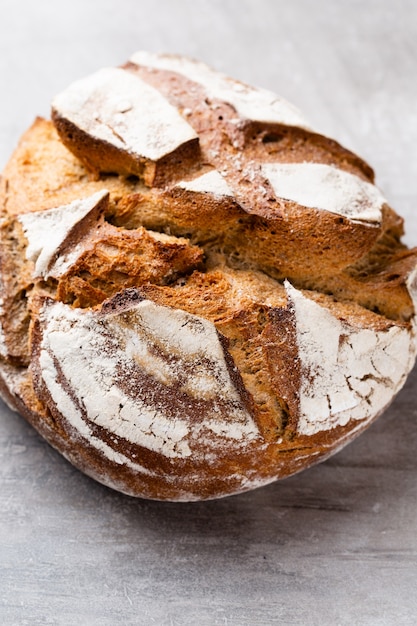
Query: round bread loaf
[200,294]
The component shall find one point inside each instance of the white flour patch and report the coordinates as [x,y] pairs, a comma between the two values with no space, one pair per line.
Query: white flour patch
[348,373]
[46,231]
[75,418]
[211,182]
[118,107]
[258,105]
[326,188]
[89,348]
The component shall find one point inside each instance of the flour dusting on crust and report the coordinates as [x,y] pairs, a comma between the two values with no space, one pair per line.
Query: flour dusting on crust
[326,187]
[211,182]
[143,375]
[255,104]
[348,373]
[115,106]
[47,232]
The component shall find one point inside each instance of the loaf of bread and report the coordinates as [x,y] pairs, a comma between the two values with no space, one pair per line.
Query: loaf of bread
[200,294]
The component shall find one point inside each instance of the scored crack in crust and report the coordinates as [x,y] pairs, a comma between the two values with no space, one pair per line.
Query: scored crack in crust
[199,293]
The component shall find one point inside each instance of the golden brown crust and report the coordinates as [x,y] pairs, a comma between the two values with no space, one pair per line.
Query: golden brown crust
[115,260]
[188,332]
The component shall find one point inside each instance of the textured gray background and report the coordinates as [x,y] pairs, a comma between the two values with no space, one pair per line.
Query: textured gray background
[336,545]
